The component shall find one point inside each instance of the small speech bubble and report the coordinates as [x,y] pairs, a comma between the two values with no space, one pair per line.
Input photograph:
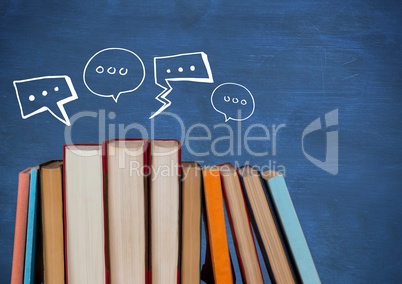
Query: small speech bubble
[193,67]
[113,71]
[49,93]
[234,101]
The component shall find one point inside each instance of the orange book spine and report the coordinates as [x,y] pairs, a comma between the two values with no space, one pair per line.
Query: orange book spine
[219,247]
[17,272]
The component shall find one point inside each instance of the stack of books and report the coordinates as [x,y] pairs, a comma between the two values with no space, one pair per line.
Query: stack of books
[129,211]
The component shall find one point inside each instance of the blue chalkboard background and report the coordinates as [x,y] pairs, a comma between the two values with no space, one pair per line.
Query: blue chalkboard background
[299,59]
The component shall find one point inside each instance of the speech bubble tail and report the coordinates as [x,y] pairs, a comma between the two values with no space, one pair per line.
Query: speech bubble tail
[60,114]
[162,108]
[162,98]
[226,118]
[115,98]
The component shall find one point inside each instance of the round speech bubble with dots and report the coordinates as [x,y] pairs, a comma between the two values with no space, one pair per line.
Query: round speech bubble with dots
[112,72]
[234,101]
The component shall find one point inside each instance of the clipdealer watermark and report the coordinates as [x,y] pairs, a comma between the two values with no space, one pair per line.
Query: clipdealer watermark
[331,162]
[238,140]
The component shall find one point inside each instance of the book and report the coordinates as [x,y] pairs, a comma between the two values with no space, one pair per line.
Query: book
[52,221]
[125,164]
[291,227]
[191,223]
[217,256]
[33,270]
[240,225]
[84,229]
[20,232]
[165,211]
[266,227]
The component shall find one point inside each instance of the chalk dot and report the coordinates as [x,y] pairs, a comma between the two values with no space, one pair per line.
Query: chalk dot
[226,98]
[112,115]
[111,70]
[235,100]
[180,69]
[99,69]
[31,98]
[44,93]
[168,71]
[123,71]
[243,102]
[56,89]
[192,67]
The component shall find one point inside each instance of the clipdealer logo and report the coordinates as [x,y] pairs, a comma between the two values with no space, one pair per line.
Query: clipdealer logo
[331,162]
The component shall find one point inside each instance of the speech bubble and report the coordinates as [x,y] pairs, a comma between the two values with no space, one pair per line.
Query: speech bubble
[48,93]
[112,72]
[193,67]
[234,101]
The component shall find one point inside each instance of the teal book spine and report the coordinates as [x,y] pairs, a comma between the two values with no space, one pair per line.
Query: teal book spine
[30,247]
[292,230]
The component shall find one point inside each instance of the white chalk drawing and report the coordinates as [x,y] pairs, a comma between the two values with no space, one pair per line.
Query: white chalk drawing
[48,93]
[330,164]
[234,101]
[192,67]
[114,71]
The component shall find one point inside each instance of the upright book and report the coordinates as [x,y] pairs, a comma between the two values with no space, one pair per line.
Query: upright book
[291,227]
[165,160]
[240,225]
[266,228]
[33,270]
[191,223]
[218,257]
[126,169]
[52,221]
[21,215]
[84,227]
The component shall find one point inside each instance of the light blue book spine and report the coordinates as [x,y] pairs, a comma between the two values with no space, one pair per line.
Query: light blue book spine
[292,230]
[30,247]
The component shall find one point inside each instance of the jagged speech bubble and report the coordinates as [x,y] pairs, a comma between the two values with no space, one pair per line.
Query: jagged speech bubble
[112,72]
[192,67]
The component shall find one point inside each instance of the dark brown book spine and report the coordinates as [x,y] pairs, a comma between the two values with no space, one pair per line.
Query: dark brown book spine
[106,210]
